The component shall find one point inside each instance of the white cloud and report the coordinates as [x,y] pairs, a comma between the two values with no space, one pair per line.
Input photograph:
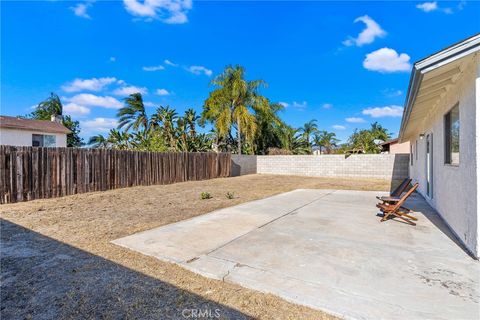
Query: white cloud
[387,60]
[355,120]
[113,59]
[427,6]
[433,6]
[387,111]
[149,104]
[162,92]
[91,100]
[93,84]
[295,104]
[338,127]
[153,68]
[327,106]
[447,10]
[125,91]
[170,63]
[98,125]
[368,35]
[167,11]
[199,70]
[75,109]
[299,105]
[391,93]
[80,10]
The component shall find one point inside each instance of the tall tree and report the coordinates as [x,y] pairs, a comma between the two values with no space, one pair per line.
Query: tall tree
[232,103]
[308,130]
[119,139]
[292,140]
[326,140]
[52,106]
[269,126]
[98,141]
[379,132]
[133,114]
[191,119]
[164,119]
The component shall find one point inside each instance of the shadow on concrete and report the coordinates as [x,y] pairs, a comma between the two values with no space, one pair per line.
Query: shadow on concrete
[43,278]
[417,203]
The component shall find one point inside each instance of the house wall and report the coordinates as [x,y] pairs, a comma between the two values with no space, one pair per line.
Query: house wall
[454,187]
[24,137]
[400,148]
[378,166]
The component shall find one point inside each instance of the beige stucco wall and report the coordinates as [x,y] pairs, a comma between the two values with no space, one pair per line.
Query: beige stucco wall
[454,187]
[24,137]
[400,148]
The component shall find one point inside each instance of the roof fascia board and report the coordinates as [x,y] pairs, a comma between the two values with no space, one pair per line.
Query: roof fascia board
[437,60]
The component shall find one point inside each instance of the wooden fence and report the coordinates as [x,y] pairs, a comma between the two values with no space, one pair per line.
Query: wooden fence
[28,173]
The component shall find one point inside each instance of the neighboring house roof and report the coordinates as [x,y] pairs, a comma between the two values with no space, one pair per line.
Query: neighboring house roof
[32,125]
[432,77]
[389,142]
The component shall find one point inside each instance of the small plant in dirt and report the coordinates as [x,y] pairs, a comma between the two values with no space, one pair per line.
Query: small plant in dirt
[230,195]
[205,195]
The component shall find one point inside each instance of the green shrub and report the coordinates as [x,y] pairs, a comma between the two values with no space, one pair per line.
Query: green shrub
[205,195]
[230,195]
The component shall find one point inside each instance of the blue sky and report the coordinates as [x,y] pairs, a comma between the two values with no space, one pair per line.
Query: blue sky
[345,64]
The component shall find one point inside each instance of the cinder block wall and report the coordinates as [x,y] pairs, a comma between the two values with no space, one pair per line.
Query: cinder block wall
[379,166]
[243,164]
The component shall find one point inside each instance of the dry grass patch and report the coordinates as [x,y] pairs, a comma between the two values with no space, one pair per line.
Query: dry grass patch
[93,277]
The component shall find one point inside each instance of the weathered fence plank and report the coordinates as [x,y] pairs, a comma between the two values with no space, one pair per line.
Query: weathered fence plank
[28,173]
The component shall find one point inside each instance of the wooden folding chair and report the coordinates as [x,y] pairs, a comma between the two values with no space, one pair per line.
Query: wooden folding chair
[396,208]
[397,192]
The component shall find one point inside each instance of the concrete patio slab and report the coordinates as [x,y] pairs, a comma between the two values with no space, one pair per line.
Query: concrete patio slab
[327,249]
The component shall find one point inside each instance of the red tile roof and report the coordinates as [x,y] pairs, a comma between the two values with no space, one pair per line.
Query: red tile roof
[32,125]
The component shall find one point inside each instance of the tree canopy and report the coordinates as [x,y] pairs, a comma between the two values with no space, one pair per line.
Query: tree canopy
[52,106]
[240,119]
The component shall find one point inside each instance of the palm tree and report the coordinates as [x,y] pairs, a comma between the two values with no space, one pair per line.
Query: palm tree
[119,139]
[268,128]
[231,104]
[52,106]
[191,119]
[164,119]
[325,139]
[292,140]
[98,141]
[200,143]
[379,132]
[308,129]
[133,114]
[181,134]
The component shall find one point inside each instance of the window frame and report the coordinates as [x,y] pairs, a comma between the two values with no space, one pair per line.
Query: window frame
[42,138]
[447,137]
[411,154]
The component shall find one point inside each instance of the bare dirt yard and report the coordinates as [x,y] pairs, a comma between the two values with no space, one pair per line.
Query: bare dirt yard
[57,260]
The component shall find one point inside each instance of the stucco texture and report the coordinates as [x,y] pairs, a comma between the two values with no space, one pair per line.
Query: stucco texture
[23,138]
[454,187]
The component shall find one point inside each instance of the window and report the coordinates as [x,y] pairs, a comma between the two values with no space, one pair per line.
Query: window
[43,140]
[411,154]
[416,150]
[452,136]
